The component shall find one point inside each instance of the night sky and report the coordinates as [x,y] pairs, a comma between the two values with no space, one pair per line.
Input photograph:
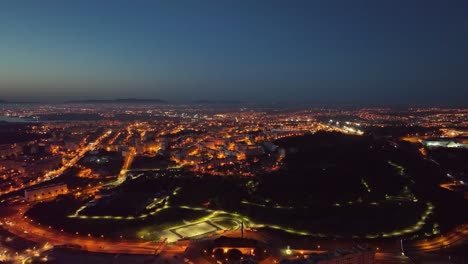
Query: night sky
[362,52]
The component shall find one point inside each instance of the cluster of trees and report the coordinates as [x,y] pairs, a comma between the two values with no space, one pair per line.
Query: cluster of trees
[327,168]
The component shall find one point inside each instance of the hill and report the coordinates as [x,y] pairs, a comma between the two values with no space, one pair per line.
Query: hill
[118,101]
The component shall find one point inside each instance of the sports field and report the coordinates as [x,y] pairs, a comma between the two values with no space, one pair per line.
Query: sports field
[195,230]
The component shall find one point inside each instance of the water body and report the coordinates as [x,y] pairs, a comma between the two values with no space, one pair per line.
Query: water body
[11,119]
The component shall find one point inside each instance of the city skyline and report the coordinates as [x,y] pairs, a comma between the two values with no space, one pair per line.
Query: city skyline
[363,53]
[234,132]
[200,184]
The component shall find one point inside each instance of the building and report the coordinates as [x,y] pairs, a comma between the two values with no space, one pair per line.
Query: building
[45,192]
[38,166]
[7,150]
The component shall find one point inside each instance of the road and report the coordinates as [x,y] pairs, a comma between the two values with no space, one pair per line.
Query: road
[392,258]
[20,226]
[56,173]
[456,237]
[23,227]
[128,161]
[27,229]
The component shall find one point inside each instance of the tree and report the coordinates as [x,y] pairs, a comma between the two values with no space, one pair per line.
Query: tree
[234,254]
[218,253]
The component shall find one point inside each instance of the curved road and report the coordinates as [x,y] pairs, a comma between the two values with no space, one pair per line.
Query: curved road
[23,227]
[456,237]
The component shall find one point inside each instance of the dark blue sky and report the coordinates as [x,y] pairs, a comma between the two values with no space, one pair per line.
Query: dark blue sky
[392,52]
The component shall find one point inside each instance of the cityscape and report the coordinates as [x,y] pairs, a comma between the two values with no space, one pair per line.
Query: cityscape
[207,182]
[233,132]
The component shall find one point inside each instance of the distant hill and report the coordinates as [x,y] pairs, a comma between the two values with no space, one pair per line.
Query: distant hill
[18,102]
[118,101]
[217,102]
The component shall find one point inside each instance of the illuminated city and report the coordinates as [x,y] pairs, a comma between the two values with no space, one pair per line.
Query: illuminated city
[233,132]
[153,178]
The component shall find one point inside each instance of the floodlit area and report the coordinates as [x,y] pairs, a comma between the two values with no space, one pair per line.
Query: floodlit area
[170,236]
[195,230]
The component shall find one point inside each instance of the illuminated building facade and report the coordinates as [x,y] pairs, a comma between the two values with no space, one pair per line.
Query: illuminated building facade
[46,192]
